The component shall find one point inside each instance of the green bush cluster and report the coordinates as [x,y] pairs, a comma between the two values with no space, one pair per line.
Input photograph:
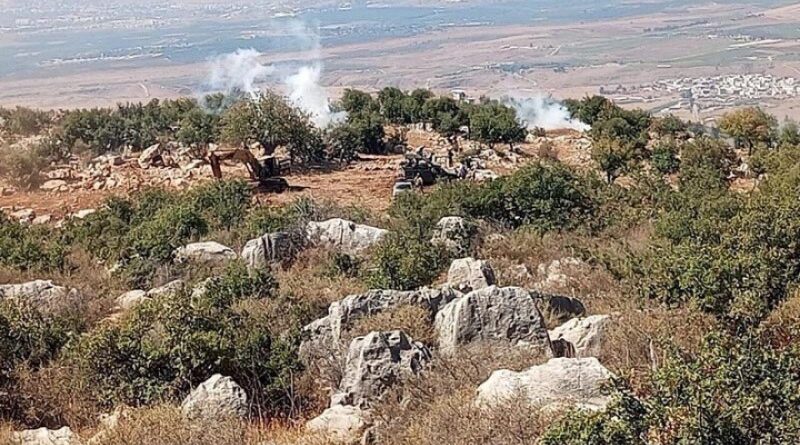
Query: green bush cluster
[26,248]
[736,389]
[167,345]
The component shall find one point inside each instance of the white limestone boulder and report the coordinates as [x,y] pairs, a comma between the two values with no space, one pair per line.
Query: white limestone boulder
[561,382]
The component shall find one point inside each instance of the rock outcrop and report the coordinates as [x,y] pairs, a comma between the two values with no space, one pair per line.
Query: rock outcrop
[584,334]
[468,274]
[209,252]
[133,298]
[327,331]
[217,398]
[508,314]
[340,424]
[563,382]
[343,235]
[374,363]
[278,247]
[43,294]
[150,156]
[454,234]
[44,436]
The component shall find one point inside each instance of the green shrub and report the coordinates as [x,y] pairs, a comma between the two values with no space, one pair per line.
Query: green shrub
[167,345]
[223,204]
[23,166]
[543,196]
[406,261]
[26,247]
[735,390]
[27,335]
[665,157]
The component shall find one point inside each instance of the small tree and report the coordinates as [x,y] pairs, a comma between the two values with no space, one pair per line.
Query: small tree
[198,128]
[749,127]
[613,156]
[493,123]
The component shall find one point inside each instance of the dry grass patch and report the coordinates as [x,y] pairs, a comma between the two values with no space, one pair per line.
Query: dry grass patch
[437,406]
[639,338]
[309,280]
[164,425]
[413,320]
[53,396]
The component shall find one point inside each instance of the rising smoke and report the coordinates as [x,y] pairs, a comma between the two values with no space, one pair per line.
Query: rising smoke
[543,112]
[239,70]
[243,71]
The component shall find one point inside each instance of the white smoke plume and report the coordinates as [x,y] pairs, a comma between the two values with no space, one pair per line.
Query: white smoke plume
[239,70]
[243,71]
[543,112]
[306,93]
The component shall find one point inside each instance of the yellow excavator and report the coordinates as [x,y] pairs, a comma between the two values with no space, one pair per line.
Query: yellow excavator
[268,172]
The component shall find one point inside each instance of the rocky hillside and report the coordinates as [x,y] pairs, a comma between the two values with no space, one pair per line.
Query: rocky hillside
[633,284]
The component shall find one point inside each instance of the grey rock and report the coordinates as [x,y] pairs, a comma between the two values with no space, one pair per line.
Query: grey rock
[508,314]
[562,382]
[454,234]
[468,274]
[209,252]
[586,335]
[375,362]
[44,436]
[43,294]
[340,423]
[150,156]
[278,247]
[131,299]
[344,235]
[169,288]
[327,331]
[217,398]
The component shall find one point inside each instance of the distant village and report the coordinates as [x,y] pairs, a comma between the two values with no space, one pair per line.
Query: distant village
[709,93]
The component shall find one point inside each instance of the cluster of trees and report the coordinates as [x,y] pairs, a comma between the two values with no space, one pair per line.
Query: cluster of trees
[270,121]
[487,121]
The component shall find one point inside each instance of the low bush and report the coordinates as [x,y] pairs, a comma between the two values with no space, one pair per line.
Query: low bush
[170,344]
[29,247]
[405,261]
[734,389]
[24,166]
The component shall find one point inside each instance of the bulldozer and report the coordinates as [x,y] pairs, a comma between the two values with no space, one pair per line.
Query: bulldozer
[267,172]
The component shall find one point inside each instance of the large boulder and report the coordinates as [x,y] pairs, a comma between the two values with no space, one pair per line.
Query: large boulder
[271,248]
[584,334]
[43,436]
[468,274]
[508,314]
[43,294]
[340,424]
[217,398]
[562,382]
[344,235]
[374,363]
[208,252]
[327,331]
[454,234]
